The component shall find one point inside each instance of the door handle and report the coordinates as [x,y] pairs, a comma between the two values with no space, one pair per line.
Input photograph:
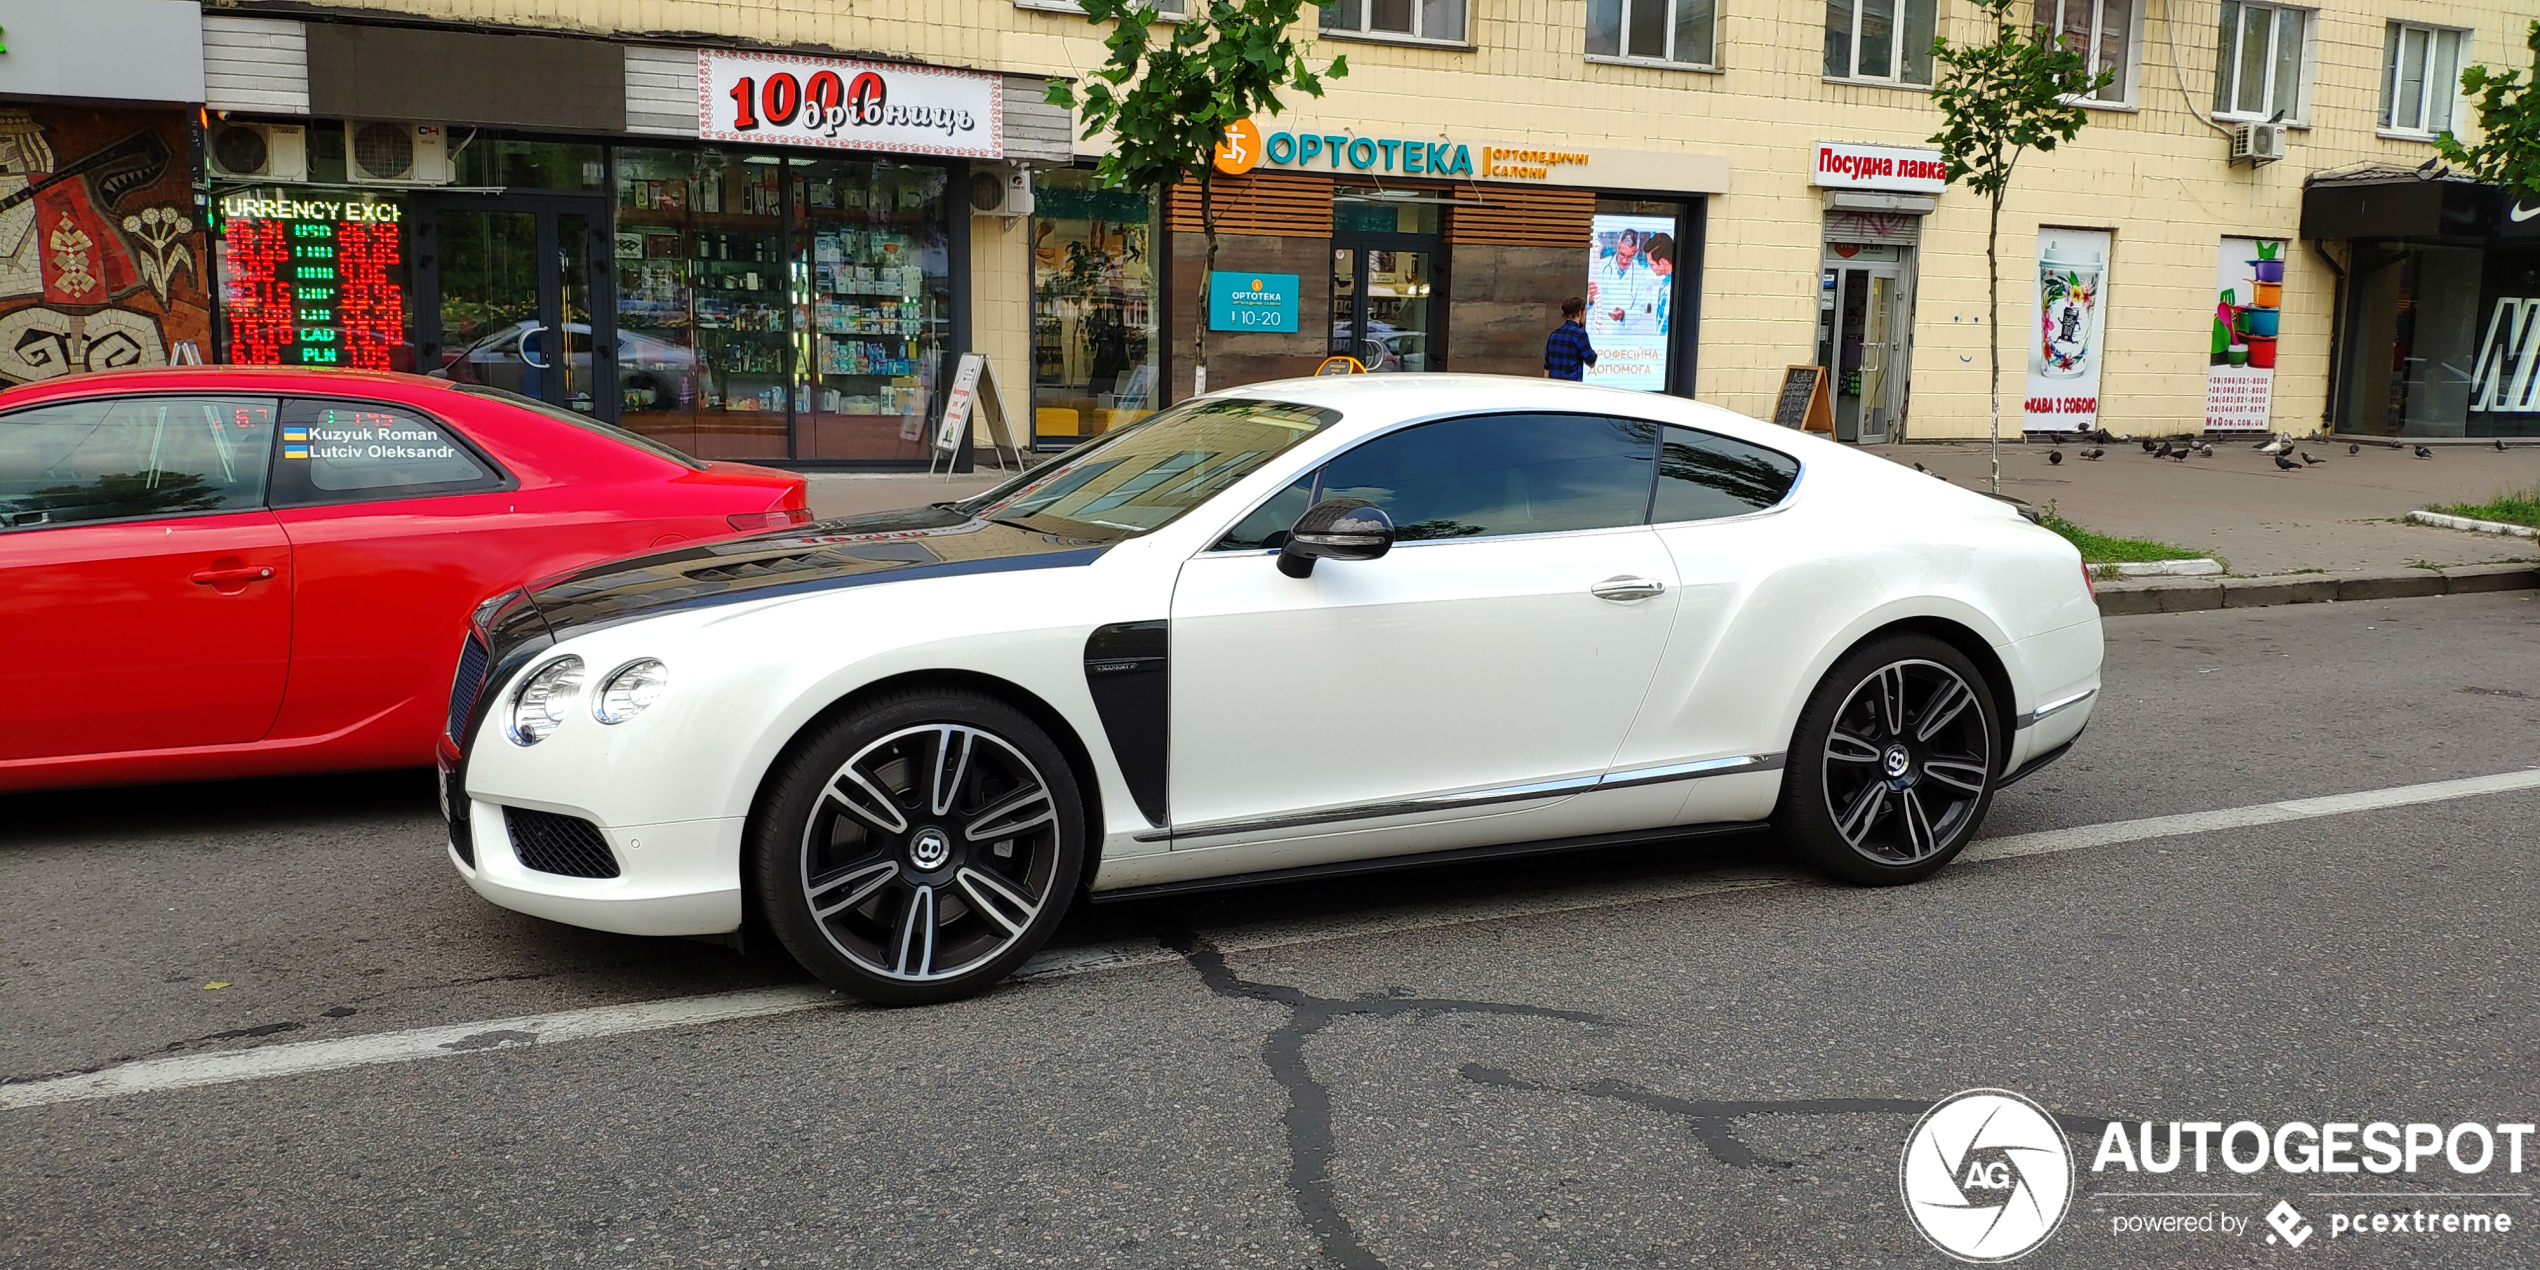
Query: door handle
[1624,588]
[215,577]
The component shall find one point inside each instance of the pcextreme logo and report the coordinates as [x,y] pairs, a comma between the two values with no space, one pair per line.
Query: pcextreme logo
[1986,1175]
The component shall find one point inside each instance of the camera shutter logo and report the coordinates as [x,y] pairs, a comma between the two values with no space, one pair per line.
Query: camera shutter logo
[1986,1175]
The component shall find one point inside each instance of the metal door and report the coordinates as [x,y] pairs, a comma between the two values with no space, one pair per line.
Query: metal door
[516,293]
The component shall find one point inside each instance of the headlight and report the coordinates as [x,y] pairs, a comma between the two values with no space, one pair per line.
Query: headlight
[540,704]
[630,690]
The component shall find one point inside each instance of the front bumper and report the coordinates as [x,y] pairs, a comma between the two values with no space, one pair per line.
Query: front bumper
[676,878]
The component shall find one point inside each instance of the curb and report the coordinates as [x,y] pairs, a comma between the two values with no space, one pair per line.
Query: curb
[2442,520]
[2200,567]
[2188,595]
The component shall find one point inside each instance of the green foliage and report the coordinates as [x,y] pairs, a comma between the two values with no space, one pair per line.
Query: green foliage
[2508,106]
[2000,99]
[2514,507]
[1166,102]
[2099,548]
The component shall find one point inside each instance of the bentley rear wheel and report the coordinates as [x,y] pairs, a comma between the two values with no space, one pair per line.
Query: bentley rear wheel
[1894,763]
[920,848]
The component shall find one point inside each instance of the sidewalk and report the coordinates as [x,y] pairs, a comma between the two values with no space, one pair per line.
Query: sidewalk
[853,494]
[2345,515]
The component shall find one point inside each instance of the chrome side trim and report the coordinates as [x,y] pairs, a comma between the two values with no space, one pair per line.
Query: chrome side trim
[2055,707]
[1558,788]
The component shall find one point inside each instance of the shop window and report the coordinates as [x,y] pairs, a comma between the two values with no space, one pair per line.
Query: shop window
[2442,341]
[1880,40]
[1682,32]
[1437,20]
[2420,78]
[871,270]
[526,165]
[1093,306]
[2103,32]
[2258,62]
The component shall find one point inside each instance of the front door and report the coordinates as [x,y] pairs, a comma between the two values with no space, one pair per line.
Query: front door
[514,294]
[1506,642]
[1386,298]
[1863,322]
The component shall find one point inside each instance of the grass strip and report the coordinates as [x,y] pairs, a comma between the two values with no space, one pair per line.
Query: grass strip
[2099,548]
[2513,507]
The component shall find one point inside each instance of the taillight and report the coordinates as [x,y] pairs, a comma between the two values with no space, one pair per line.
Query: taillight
[2089,582]
[781,518]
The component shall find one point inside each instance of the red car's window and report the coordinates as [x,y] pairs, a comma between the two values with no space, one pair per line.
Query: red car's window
[121,458]
[584,422]
[340,451]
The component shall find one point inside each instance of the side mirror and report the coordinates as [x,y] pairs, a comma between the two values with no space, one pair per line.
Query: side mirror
[1336,529]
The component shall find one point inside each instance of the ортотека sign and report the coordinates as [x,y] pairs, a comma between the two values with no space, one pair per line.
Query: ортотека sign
[1252,302]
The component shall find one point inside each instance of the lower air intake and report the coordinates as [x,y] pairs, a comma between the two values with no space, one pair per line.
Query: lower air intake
[567,845]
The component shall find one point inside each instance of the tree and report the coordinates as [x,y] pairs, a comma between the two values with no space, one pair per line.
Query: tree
[2508,106]
[1998,101]
[1167,104]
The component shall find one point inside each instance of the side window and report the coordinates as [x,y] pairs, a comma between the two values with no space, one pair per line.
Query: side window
[1705,477]
[1491,475]
[346,451]
[120,458]
[1269,523]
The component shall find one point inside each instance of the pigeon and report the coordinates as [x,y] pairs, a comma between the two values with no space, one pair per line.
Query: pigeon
[2261,447]
[2352,448]
[2205,449]
[2182,454]
[1924,470]
[2286,464]
[2500,445]
[2094,454]
[2054,458]
[2101,437]
[2163,452]
[2424,453]
[2147,445]
[2308,461]
[2277,446]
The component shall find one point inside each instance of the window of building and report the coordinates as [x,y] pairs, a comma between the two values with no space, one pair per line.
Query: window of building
[2102,31]
[1678,31]
[2258,62]
[2441,340]
[123,458]
[1093,306]
[1879,40]
[1439,20]
[1169,10]
[2421,73]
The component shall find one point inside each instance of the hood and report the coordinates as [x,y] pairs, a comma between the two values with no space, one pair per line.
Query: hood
[852,551]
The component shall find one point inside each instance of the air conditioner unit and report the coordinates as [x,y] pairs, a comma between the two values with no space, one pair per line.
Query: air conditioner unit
[2256,143]
[258,151]
[396,153]
[1001,189]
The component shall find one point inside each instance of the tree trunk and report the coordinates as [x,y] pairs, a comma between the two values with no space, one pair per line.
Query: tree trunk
[1207,280]
[1993,332]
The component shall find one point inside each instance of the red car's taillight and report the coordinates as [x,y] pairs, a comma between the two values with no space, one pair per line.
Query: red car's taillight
[781,518]
[2088,581]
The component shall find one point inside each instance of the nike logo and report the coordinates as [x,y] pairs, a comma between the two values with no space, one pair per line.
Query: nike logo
[2521,213]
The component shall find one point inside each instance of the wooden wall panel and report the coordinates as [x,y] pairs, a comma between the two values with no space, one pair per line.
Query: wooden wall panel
[1521,216]
[1270,204]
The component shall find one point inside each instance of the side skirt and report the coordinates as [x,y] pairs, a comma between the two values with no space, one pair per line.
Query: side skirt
[1424,860]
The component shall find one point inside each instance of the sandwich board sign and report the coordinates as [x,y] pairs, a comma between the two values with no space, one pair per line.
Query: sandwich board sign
[974,393]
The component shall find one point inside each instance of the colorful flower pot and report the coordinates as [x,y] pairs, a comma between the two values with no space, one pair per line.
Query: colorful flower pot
[2267,270]
[2261,352]
[2270,294]
[2259,322]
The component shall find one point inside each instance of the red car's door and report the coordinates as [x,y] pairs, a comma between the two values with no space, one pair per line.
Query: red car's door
[148,590]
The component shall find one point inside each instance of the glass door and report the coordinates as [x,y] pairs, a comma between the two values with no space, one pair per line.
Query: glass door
[1388,290]
[1861,332]
[508,297]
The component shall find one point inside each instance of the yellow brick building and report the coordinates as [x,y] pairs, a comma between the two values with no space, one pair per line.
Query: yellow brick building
[1716,115]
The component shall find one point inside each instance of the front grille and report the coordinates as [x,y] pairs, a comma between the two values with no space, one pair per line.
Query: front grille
[463,688]
[550,843]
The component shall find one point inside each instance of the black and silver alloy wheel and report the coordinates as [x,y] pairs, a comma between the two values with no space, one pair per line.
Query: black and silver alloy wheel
[1893,765]
[926,856]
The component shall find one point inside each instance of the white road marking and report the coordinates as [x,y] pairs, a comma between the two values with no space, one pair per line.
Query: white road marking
[302,1058]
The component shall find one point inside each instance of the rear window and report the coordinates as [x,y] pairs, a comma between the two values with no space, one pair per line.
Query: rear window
[584,422]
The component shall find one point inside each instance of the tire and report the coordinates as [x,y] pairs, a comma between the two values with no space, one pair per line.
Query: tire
[1894,763]
[890,888]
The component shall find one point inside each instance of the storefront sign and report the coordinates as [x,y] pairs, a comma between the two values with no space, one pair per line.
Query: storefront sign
[1296,148]
[2064,335]
[1628,301]
[782,99]
[2240,375]
[1897,168]
[309,282]
[2507,378]
[1252,302]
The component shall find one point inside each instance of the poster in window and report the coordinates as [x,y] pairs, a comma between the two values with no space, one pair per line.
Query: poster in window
[1629,289]
[2069,320]
[2240,370]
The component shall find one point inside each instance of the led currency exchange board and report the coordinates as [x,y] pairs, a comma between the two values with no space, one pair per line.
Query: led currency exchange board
[311,282]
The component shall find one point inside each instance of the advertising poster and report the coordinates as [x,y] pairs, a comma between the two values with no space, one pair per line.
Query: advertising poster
[1631,279]
[2066,326]
[2248,293]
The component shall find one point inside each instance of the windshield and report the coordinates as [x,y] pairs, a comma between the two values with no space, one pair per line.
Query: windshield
[1137,480]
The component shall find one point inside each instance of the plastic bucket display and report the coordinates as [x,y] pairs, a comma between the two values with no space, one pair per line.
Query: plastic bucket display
[2270,294]
[2259,322]
[2262,352]
[2267,270]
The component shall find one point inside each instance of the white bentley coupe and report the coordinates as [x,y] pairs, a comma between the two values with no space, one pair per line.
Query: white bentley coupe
[1294,629]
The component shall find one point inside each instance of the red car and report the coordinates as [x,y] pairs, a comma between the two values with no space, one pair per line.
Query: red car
[221,571]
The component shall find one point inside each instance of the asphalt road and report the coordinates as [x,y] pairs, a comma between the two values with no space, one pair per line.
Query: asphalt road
[1670,1056]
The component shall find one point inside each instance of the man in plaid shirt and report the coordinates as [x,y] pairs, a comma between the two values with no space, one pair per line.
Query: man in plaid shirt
[1567,354]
